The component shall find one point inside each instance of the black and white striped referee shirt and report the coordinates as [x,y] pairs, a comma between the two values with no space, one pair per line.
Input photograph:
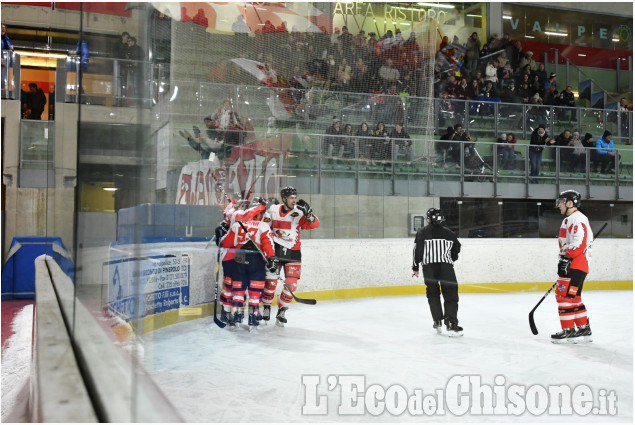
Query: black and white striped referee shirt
[435,244]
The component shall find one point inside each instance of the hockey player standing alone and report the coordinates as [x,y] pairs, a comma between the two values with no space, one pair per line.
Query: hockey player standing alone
[286,221]
[574,239]
[437,248]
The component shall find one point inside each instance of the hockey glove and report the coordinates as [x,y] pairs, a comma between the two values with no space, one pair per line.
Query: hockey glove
[305,208]
[563,266]
[272,265]
[220,232]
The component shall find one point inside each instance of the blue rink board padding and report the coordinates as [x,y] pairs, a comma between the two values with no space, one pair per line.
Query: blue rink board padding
[152,223]
[18,273]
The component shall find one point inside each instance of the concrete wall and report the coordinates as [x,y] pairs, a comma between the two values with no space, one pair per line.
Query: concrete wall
[40,211]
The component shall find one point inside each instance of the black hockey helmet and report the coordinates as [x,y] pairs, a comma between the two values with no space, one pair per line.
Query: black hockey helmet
[569,195]
[435,216]
[287,191]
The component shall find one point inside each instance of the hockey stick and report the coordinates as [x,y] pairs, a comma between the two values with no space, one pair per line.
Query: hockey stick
[309,301]
[532,323]
[216,320]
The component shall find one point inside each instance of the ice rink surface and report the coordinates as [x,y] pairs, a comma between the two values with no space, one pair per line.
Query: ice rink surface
[218,375]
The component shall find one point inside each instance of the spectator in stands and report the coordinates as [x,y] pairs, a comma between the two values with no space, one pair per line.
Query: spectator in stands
[507,149]
[343,75]
[567,98]
[589,145]
[388,74]
[524,93]
[349,143]
[525,75]
[491,72]
[464,136]
[550,82]
[505,76]
[403,144]
[501,60]
[577,158]
[478,76]
[551,96]
[120,48]
[605,153]
[528,60]
[472,53]
[382,143]
[510,94]
[35,103]
[6,46]
[562,142]
[535,84]
[624,109]
[539,139]
[135,54]
[447,146]
[365,143]
[333,141]
[225,121]
[120,51]
[82,51]
[359,76]
[474,89]
[516,56]
[541,73]
[491,95]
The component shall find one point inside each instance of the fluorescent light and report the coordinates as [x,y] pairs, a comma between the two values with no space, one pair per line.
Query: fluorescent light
[529,36]
[615,40]
[40,54]
[110,189]
[439,5]
[507,17]
[474,16]
[557,34]
[580,54]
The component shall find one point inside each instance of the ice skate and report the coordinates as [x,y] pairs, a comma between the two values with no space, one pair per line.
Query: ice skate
[266,312]
[438,326]
[229,319]
[565,336]
[280,319]
[454,330]
[224,316]
[254,318]
[583,334]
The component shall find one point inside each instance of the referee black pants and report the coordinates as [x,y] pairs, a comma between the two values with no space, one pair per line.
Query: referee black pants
[441,279]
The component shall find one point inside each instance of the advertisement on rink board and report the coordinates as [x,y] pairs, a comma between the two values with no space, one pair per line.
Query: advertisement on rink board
[254,169]
[164,281]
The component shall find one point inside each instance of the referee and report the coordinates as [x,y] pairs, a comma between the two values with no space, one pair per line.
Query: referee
[437,248]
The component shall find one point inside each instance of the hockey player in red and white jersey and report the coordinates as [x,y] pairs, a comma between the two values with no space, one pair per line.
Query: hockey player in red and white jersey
[244,265]
[286,221]
[235,211]
[575,238]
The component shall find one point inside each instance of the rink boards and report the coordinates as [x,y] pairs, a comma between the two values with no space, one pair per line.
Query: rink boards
[165,283]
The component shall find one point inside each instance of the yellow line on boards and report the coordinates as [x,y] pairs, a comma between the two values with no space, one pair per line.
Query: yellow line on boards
[158,321]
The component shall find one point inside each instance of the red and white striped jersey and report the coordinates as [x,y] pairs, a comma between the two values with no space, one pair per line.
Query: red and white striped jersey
[286,226]
[236,237]
[575,239]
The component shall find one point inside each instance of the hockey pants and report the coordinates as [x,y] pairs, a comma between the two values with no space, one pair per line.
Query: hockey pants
[441,279]
[571,310]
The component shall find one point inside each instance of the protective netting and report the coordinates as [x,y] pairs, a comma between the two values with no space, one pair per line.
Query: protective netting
[243,72]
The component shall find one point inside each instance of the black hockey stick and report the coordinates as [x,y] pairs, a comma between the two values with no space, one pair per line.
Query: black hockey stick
[309,301]
[532,323]
[216,319]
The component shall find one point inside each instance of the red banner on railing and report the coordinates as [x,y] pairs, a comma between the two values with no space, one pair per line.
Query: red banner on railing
[255,169]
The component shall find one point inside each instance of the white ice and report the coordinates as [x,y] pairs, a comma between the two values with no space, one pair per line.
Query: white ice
[16,367]
[217,375]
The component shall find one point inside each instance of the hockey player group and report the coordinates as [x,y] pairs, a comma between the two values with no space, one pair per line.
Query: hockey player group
[257,242]
[436,248]
[260,240]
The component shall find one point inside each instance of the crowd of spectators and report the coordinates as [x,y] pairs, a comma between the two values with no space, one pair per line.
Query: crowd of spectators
[373,146]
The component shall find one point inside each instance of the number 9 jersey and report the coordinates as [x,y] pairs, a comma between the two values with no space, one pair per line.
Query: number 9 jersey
[575,238]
